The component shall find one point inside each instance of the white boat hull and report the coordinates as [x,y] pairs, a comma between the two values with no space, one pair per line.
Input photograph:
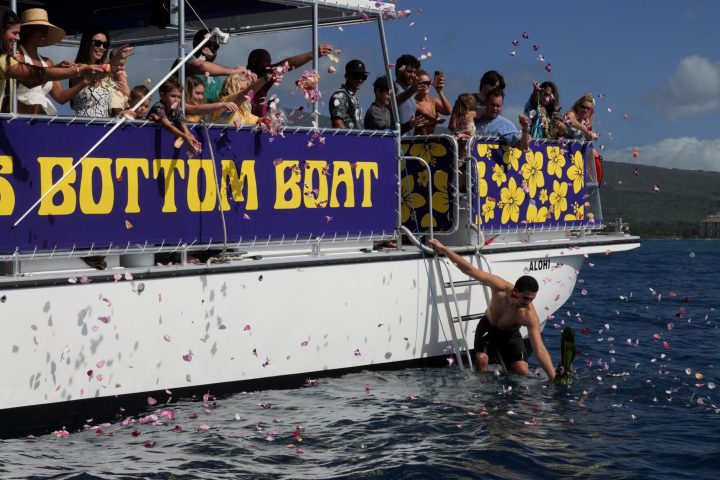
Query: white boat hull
[180,327]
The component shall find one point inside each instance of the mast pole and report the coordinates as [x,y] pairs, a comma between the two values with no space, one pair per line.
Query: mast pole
[315,46]
[181,49]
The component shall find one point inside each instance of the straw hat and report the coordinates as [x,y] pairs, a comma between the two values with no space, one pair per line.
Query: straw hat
[39,16]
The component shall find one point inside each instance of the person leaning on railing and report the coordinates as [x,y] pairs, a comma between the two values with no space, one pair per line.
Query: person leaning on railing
[30,75]
[580,119]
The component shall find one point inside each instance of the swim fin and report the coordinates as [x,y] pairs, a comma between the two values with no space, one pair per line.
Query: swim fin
[564,371]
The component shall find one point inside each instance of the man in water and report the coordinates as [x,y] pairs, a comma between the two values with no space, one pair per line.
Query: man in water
[498,337]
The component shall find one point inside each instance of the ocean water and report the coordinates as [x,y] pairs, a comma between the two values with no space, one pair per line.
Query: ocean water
[643,405]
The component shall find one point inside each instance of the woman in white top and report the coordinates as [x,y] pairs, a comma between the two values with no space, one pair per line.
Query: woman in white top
[35,32]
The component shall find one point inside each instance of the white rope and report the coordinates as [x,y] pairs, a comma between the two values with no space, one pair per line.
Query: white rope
[196,14]
[219,200]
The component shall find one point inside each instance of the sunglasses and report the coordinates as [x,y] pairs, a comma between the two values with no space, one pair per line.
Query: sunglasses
[359,76]
[100,43]
[426,83]
[585,107]
[214,46]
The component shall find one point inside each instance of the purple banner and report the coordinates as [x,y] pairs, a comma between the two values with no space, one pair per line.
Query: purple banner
[137,187]
[543,187]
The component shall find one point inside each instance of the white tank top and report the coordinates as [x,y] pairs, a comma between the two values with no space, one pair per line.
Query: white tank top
[36,95]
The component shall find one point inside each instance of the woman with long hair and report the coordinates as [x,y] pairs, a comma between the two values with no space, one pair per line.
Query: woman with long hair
[543,108]
[580,119]
[95,97]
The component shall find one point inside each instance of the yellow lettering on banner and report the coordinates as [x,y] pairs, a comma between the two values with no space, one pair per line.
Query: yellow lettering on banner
[366,170]
[207,204]
[107,188]
[237,182]
[169,167]
[7,194]
[291,185]
[342,175]
[69,197]
[132,166]
[315,196]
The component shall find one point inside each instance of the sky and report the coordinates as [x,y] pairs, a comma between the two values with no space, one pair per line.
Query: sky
[652,65]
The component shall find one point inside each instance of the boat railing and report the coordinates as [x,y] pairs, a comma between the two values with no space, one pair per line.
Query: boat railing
[552,187]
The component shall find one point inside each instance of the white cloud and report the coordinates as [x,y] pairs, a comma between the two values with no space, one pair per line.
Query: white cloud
[693,88]
[687,153]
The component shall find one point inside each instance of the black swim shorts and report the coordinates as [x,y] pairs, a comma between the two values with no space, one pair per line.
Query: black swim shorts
[499,344]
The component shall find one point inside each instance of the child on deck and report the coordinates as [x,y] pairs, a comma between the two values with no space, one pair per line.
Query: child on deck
[167,112]
[465,112]
[234,90]
[136,94]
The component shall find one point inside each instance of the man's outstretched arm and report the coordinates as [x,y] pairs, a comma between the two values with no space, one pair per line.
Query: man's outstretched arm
[538,346]
[492,281]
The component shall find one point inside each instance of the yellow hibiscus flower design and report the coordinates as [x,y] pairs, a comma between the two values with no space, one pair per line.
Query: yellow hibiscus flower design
[484,150]
[423,178]
[511,197]
[430,152]
[578,213]
[410,199]
[575,172]
[543,195]
[556,161]
[440,198]
[536,215]
[488,209]
[482,183]
[558,198]
[499,175]
[532,171]
[511,157]
[404,147]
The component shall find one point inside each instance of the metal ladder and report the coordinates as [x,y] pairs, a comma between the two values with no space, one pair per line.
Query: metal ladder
[458,344]
[452,320]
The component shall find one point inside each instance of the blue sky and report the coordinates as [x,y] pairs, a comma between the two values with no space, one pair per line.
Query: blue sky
[655,61]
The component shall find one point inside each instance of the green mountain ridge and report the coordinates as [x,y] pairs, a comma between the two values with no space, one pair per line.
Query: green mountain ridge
[685,198]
